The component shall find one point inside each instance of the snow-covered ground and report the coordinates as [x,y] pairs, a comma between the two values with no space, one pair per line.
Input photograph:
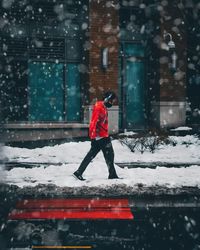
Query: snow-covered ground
[70,154]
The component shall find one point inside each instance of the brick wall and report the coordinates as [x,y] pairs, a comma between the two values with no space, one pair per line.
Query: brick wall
[104,31]
[173,86]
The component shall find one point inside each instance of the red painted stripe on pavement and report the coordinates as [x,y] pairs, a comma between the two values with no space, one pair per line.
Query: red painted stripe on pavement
[83,208]
[69,203]
[74,209]
[119,214]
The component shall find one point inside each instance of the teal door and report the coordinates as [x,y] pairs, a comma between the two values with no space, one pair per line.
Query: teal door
[45,91]
[134,101]
[73,100]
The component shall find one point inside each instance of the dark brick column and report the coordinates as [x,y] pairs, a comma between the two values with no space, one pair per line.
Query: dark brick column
[103,31]
[172,85]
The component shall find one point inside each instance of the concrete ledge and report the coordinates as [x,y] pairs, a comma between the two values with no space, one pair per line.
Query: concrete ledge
[169,114]
[43,125]
[22,132]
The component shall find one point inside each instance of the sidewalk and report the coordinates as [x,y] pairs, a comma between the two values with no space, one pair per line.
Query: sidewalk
[173,169]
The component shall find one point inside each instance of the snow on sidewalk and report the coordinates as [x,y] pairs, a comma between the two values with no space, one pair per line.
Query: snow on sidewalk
[96,176]
[70,154]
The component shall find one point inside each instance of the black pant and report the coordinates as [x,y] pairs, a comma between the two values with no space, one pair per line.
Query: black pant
[105,145]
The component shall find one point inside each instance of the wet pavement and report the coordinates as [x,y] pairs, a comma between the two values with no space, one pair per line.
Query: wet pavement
[165,222]
[154,228]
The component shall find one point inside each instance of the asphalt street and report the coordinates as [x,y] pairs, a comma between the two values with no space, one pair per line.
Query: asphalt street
[164,223]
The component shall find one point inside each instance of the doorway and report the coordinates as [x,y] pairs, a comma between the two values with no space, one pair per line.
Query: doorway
[54,92]
[45,91]
[133,87]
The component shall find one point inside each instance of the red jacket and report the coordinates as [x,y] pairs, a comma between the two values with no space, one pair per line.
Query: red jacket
[99,121]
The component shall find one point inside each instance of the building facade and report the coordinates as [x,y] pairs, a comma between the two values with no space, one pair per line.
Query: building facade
[59,56]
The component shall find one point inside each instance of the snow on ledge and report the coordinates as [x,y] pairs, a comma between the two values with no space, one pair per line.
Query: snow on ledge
[181,129]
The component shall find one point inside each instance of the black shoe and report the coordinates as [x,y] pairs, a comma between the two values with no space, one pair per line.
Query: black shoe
[113,177]
[78,176]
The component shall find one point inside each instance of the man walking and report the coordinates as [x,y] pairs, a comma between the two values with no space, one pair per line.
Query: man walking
[100,140]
